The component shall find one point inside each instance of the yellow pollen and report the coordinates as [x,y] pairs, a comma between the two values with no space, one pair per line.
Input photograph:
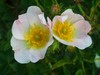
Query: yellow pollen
[64,30]
[37,36]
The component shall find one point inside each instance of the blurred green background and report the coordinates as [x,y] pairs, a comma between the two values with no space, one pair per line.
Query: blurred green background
[60,59]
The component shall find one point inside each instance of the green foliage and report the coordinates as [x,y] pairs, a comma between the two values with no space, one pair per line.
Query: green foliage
[79,72]
[59,59]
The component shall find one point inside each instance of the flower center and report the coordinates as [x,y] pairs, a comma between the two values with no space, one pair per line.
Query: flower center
[37,36]
[64,30]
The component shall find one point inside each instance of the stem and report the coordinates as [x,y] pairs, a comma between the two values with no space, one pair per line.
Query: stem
[80,58]
[82,63]
[89,61]
[83,68]
[50,65]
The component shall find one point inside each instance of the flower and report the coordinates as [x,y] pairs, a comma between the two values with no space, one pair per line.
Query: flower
[71,29]
[31,36]
[97,61]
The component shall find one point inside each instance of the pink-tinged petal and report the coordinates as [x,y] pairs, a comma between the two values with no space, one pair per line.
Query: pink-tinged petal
[36,55]
[72,17]
[32,15]
[20,26]
[60,18]
[55,19]
[82,42]
[18,44]
[82,27]
[49,22]
[22,56]
[24,21]
[18,30]
[67,12]
[42,19]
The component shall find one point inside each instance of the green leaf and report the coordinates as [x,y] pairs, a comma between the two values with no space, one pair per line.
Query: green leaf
[55,45]
[61,63]
[66,71]
[79,72]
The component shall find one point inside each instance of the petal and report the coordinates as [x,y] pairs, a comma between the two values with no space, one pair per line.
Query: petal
[63,41]
[64,18]
[22,56]
[32,15]
[60,18]
[67,12]
[82,42]
[24,21]
[50,41]
[36,55]
[34,10]
[20,26]
[18,44]
[42,19]
[82,27]
[55,19]
[72,18]
[49,22]
[18,30]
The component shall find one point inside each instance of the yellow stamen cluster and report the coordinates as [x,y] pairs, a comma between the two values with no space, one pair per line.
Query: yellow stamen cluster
[37,36]
[64,30]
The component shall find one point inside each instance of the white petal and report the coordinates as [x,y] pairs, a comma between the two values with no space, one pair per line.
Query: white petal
[22,56]
[32,15]
[60,18]
[49,23]
[97,61]
[42,19]
[36,55]
[82,42]
[24,21]
[72,17]
[18,44]
[82,27]
[50,41]
[20,26]
[64,18]
[63,41]
[34,10]
[67,12]
[55,19]
[18,30]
